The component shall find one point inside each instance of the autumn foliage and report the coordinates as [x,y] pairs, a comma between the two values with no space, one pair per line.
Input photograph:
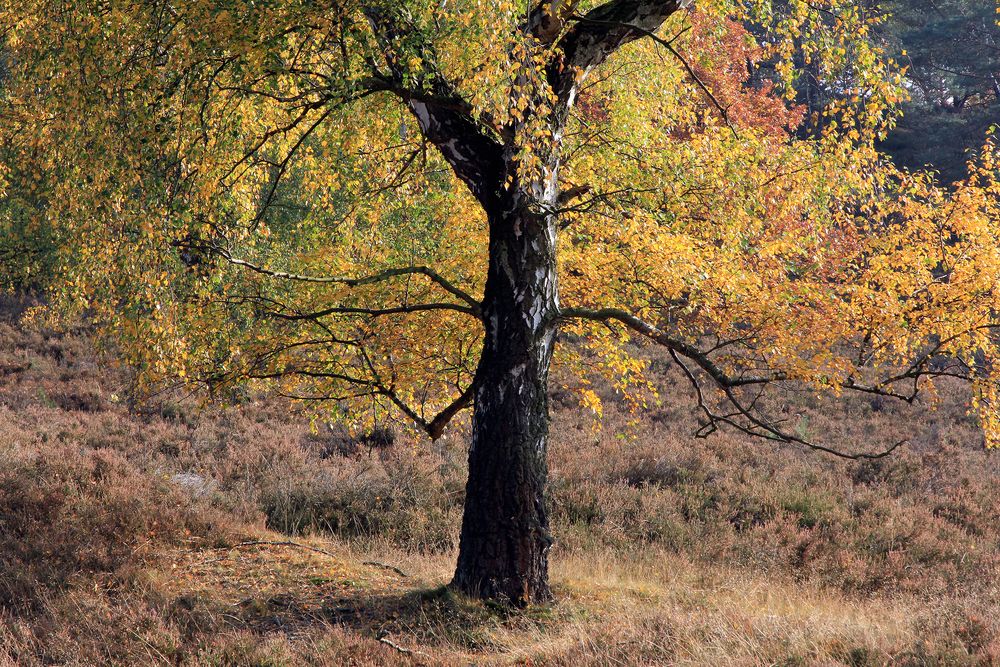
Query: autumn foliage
[373,206]
[803,257]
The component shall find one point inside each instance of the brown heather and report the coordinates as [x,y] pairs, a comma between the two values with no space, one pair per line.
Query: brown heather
[123,531]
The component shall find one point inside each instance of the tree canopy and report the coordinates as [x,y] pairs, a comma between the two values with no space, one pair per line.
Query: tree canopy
[195,153]
[340,201]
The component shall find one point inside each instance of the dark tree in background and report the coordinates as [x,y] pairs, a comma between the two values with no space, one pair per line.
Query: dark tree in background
[952,49]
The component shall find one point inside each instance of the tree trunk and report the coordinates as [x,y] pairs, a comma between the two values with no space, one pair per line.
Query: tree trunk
[503,552]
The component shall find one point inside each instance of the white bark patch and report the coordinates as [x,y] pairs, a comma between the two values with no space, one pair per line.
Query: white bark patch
[550,234]
[452,147]
[423,115]
[571,98]
[515,380]
[533,316]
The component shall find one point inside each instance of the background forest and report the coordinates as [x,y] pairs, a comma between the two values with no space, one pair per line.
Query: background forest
[146,523]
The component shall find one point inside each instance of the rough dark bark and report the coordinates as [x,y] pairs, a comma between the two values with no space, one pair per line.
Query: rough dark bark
[505,538]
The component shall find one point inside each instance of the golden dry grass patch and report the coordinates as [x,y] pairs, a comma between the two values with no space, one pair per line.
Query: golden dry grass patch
[653,609]
[660,604]
[270,566]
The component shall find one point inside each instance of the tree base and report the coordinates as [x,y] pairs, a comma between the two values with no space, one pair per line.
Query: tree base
[508,593]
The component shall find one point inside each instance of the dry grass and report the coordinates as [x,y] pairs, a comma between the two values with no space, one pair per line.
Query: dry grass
[123,531]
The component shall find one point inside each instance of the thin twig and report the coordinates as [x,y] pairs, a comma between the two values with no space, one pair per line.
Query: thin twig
[668,45]
[286,543]
[402,649]
[385,566]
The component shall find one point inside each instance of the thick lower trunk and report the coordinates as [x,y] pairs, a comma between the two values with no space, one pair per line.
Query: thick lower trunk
[503,553]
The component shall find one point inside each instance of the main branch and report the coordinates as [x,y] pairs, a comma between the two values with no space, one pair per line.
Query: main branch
[382,276]
[599,33]
[446,119]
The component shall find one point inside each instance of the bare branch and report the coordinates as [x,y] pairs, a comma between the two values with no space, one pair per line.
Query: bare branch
[752,424]
[388,274]
[761,428]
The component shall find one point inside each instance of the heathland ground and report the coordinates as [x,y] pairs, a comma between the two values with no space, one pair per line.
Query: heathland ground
[175,533]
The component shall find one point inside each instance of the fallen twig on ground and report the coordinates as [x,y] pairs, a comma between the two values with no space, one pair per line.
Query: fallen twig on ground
[385,566]
[402,649]
[285,543]
[299,545]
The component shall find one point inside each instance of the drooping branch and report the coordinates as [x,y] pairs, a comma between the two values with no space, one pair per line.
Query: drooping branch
[758,426]
[745,416]
[673,343]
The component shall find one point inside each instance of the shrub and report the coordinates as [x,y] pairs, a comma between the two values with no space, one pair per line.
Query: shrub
[67,514]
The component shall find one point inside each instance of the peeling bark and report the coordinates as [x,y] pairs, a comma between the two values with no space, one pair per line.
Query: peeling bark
[505,531]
